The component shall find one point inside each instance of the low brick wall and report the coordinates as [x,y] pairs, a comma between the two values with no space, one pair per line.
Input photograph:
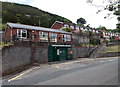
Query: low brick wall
[109,54]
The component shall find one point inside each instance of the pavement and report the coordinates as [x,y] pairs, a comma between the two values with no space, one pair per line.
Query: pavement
[83,71]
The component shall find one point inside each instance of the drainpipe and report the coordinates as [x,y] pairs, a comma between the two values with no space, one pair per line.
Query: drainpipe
[11,34]
[48,38]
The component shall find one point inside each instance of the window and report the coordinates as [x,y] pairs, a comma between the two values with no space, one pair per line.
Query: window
[66,26]
[90,30]
[77,27]
[53,37]
[44,36]
[71,27]
[86,29]
[68,38]
[93,31]
[21,33]
[81,28]
[97,31]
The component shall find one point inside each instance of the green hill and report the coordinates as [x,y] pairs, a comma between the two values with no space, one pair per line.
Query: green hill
[25,14]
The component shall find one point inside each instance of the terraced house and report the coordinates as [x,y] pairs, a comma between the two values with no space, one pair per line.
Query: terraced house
[84,32]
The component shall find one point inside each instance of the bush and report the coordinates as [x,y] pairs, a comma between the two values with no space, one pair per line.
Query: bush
[65,29]
[107,41]
[94,41]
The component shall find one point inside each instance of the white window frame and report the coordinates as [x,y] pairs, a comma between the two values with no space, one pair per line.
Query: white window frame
[86,29]
[68,37]
[53,37]
[66,25]
[21,31]
[42,37]
[81,28]
[77,28]
[97,31]
[93,31]
[72,27]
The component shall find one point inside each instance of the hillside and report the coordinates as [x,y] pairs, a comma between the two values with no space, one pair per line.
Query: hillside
[25,14]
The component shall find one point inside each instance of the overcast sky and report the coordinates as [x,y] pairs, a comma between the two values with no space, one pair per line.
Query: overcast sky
[74,9]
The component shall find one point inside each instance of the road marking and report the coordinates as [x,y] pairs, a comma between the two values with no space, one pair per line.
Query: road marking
[19,76]
[68,63]
[57,67]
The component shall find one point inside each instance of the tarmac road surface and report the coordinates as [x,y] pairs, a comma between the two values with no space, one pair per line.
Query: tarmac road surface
[94,72]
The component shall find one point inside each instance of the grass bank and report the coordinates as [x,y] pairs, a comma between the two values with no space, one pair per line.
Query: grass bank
[112,49]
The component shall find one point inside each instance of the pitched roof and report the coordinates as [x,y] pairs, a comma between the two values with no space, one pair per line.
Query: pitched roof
[15,25]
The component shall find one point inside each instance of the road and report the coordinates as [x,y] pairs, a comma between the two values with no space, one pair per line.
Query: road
[92,72]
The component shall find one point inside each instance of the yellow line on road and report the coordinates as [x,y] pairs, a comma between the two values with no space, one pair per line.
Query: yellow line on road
[19,76]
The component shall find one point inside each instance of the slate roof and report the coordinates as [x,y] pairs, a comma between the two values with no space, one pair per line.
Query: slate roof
[15,25]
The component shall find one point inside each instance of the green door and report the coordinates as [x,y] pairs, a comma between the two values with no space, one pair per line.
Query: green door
[59,53]
[50,53]
[55,54]
[63,54]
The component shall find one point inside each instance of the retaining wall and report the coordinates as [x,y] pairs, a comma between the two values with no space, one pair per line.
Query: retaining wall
[80,52]
[17,57]
[109,54]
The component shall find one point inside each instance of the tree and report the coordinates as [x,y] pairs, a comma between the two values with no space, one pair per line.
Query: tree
[94,41]
[81,21]
[65,29]
[25,14]
[112,6]
[102,28]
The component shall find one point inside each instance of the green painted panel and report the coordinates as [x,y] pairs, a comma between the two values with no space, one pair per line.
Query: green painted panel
[58,53]
[63,54]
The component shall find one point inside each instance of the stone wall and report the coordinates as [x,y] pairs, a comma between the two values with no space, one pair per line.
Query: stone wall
[16,57]
[41,55]
[109,54]
[0,63]
[80,52]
